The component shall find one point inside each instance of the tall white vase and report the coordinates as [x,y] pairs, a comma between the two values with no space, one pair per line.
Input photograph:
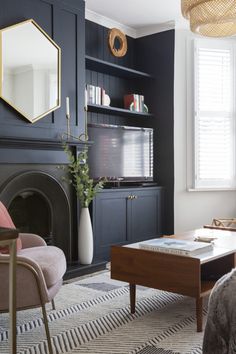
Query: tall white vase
[85,242]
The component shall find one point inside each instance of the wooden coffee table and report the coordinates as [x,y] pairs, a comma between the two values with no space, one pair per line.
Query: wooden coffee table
[190,276]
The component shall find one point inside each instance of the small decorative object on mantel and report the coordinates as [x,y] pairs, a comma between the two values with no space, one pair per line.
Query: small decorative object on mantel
[86,190]
[114,36]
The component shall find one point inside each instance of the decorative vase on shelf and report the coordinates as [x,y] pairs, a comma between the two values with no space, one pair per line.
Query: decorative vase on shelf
[85,237]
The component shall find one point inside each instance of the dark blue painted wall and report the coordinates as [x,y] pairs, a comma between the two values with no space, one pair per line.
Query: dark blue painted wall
[63,20]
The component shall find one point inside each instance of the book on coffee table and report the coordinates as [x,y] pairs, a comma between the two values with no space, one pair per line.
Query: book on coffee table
[174,246]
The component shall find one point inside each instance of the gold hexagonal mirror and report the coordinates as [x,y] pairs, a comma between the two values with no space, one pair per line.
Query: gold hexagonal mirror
[30,70]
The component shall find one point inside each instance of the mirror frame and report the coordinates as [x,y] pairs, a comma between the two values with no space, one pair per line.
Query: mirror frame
[32,120]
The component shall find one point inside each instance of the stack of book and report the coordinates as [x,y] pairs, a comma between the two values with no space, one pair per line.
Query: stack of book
[174,246]
[134,102]
[95,94]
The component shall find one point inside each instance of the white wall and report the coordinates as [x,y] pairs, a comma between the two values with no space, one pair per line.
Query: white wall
[192,209]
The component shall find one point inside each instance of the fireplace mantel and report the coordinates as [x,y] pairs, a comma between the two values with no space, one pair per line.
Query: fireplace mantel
[41,143]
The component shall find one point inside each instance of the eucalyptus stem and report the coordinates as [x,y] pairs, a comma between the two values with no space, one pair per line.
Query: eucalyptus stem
[78,169]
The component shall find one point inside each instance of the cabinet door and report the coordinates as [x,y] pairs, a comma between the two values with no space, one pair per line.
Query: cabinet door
[109,221]
[145,215]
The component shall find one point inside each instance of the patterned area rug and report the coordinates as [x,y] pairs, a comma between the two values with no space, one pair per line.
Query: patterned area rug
[92,316]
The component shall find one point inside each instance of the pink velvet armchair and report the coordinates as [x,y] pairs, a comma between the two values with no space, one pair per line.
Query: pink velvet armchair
[39,273]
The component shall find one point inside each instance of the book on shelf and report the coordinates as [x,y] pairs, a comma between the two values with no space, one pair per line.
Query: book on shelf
[128,99]
[91,94]
[98,95]
[177,247]
[141,103]
[134,102]
[95,95]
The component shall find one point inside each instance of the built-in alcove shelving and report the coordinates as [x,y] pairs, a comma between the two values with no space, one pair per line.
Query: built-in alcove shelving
[146,70]
[122,72]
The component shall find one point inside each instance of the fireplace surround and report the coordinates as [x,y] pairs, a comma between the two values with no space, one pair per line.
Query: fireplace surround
[37,197]
[32,188]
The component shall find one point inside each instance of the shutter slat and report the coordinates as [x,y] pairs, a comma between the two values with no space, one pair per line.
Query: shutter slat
[214,138]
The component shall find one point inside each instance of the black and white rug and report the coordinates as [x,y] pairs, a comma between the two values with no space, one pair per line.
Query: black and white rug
[92,316]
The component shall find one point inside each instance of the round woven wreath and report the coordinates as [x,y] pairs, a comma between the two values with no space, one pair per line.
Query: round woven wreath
[113,35]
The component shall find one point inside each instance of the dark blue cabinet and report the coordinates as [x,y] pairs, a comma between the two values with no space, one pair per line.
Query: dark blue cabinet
[125,215]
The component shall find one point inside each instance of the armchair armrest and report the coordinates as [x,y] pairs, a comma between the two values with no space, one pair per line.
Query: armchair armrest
[29,276]
[31,240]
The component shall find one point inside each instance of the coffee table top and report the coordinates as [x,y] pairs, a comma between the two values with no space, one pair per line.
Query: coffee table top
[224,244]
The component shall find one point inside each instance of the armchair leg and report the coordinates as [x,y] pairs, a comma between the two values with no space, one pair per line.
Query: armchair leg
[53,304]
[45,320]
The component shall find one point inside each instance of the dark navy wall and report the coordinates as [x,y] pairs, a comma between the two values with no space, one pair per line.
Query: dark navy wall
[153,54]
[63,20]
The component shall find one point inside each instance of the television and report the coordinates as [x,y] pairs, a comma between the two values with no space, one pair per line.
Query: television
[120,153]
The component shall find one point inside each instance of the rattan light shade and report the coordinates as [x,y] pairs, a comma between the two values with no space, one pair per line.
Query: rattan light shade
[212,18]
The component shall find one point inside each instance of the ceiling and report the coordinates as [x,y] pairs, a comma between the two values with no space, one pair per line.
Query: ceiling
[138,13]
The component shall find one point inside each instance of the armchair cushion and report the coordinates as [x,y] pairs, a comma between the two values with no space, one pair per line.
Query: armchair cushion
[50,259]
[6,221]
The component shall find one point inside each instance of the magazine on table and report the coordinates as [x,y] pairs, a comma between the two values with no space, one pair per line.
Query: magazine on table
[174,246]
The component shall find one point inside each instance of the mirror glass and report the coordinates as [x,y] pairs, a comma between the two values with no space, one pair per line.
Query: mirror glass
[30,70]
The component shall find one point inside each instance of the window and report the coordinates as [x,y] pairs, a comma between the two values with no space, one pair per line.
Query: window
[214,114]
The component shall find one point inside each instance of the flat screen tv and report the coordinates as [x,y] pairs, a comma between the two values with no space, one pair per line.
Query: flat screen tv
[120,153]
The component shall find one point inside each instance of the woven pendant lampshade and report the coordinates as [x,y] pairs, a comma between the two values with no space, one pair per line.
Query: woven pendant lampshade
[212,18]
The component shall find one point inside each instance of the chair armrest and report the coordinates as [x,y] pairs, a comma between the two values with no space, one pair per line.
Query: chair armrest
[29,276]
[31,240]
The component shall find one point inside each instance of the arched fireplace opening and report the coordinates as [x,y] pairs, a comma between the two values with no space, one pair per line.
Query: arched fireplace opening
[31,213]
[39,204]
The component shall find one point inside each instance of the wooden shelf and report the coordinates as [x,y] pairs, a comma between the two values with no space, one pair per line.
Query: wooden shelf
[117,111]
[113,69]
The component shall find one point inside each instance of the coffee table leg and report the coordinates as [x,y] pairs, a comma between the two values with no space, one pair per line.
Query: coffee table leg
[199,313]
[132,292]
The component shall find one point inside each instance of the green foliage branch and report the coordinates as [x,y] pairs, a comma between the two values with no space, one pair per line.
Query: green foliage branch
[78,169]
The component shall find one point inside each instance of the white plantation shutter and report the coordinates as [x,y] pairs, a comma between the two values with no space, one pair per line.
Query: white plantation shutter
[214,115]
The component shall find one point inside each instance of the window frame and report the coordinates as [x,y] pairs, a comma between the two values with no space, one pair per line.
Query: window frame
[193,182]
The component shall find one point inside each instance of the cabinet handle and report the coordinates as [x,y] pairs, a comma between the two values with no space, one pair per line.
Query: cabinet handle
[131,197]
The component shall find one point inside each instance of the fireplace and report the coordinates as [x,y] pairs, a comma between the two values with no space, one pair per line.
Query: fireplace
[32,188]
[39,200]
[39,204]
